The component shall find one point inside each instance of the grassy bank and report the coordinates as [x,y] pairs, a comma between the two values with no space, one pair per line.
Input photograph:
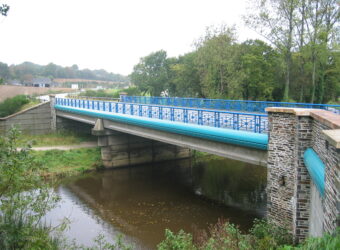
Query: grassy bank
[55,139]
[60,163]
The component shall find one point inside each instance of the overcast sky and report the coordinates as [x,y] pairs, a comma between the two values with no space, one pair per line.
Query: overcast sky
[109,34]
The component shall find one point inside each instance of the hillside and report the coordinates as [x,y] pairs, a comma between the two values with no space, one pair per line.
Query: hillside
[28,70]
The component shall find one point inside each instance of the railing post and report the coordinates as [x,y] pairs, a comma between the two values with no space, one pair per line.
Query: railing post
[131,109]
[185,116]
[200,117]
[150,111]
[140,110]
[236,122]
[217,119]
[160,113]
[172,114]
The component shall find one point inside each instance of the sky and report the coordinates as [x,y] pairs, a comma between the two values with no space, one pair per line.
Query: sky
[110,34]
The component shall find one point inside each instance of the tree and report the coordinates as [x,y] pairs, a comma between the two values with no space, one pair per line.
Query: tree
[150,75]
[184,76]
[215,62]
[4,71]
[275,21]
[4,8]
[260,66]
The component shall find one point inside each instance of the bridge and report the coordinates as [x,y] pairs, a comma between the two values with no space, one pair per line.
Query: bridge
[298,143]
[200,129]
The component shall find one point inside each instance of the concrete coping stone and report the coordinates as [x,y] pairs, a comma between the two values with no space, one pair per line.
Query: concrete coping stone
[333,137]
[22,111]
[327,118]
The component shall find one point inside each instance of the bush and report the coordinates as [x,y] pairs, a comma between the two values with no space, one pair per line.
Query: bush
[224,235]
[12,105]
[24,198]
[178,241]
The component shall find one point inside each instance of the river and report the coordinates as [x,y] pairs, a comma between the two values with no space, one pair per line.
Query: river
[141,202]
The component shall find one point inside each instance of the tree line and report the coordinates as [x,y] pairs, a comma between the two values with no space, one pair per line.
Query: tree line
[298,61]
[27,71]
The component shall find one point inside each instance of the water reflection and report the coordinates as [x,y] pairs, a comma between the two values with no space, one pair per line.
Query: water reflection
[141,202]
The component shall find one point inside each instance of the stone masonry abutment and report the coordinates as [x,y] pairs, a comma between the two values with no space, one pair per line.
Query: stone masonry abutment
[293,200]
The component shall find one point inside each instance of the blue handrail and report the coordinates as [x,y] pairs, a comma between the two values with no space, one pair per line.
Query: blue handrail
[237,105]
[257,123]
[316,169]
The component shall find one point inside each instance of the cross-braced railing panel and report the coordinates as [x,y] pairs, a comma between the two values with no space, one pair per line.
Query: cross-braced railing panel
[257,123]
[235,105]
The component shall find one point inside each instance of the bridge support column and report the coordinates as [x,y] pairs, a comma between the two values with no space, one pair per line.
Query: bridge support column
[291,202]
[120,149]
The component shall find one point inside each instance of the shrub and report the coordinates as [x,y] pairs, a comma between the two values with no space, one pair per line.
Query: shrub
[178,241]
[12,105]
[24,198]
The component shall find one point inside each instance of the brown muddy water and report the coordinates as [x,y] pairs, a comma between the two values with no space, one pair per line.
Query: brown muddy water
[141,202]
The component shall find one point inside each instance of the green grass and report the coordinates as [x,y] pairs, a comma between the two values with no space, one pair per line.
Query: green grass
[55,139]
[32,103]
[69,162]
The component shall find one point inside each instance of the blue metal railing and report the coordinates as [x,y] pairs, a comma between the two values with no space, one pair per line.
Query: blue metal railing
[257,123]
[236,105]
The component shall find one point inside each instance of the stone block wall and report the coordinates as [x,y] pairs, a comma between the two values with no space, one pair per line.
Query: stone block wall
[291,132]
[35,120]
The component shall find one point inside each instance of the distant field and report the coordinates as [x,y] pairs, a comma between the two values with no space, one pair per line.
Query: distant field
[7,91]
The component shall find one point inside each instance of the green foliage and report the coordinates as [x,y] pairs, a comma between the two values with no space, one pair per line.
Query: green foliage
[178,241]
[57,138]
[301,63]
[12,105]
[27,71]
[68,162]
[110,93]
[223,235]
[150,75]
[267,235]
[24,198]
[326,242]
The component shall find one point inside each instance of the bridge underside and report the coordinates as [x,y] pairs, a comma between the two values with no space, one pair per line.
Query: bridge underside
[249,155]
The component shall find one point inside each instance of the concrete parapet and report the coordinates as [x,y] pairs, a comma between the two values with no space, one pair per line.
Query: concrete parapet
[292,202]
[34,120]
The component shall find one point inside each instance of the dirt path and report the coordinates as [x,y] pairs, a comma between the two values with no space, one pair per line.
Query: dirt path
[67,147]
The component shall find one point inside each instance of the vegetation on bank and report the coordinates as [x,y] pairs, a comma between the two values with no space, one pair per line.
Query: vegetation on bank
[57,138]
[262,236]
[63,163]
[110,93]
[13,105]
[25,198]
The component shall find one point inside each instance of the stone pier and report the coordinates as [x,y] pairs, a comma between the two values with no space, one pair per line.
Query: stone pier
[121,149]
[293,200]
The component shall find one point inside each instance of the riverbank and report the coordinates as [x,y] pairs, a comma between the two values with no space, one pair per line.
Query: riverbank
[62,163]
[63,153]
